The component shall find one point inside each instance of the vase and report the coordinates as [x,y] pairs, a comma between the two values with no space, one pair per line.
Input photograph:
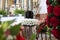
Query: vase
[29,14]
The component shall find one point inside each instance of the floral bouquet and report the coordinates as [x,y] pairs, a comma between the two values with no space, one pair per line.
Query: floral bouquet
[53,18]
[29,22]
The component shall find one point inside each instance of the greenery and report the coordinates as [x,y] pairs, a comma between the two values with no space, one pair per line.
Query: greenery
[54,2]
[19,11]
[3,12]
[12,29]
[33,36]
[3,28]
[15,30]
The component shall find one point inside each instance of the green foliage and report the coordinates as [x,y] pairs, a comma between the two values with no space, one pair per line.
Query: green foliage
[3,12]
[49,33]
[33,36]
[5,25]
[1,32]
[15,30]
[54,2]
[3,28]
[0,22]
[2,37]
[19,11]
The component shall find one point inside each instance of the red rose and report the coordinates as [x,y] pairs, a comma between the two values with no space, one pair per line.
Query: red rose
[50,9]
[56,33]
[54,20]
[56,10]
[55,25]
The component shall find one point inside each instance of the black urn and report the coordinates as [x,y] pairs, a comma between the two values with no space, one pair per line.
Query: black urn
[29,14]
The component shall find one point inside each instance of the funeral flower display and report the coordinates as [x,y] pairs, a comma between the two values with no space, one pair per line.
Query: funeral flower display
[53,18]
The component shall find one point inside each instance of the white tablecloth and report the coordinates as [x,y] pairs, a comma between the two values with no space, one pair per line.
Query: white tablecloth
[10,18]
[22,20]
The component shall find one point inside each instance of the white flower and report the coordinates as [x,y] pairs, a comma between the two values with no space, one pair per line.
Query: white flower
[29,22]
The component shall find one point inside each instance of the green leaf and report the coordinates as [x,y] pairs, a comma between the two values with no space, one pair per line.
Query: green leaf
[15,30]
[54,4]
[49,33]
[5,25]
[33,36]
[1,31]
[2,37]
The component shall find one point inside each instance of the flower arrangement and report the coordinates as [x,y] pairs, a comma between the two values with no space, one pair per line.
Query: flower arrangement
[53,18]
[52,22]
[29,22]
[11,32]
